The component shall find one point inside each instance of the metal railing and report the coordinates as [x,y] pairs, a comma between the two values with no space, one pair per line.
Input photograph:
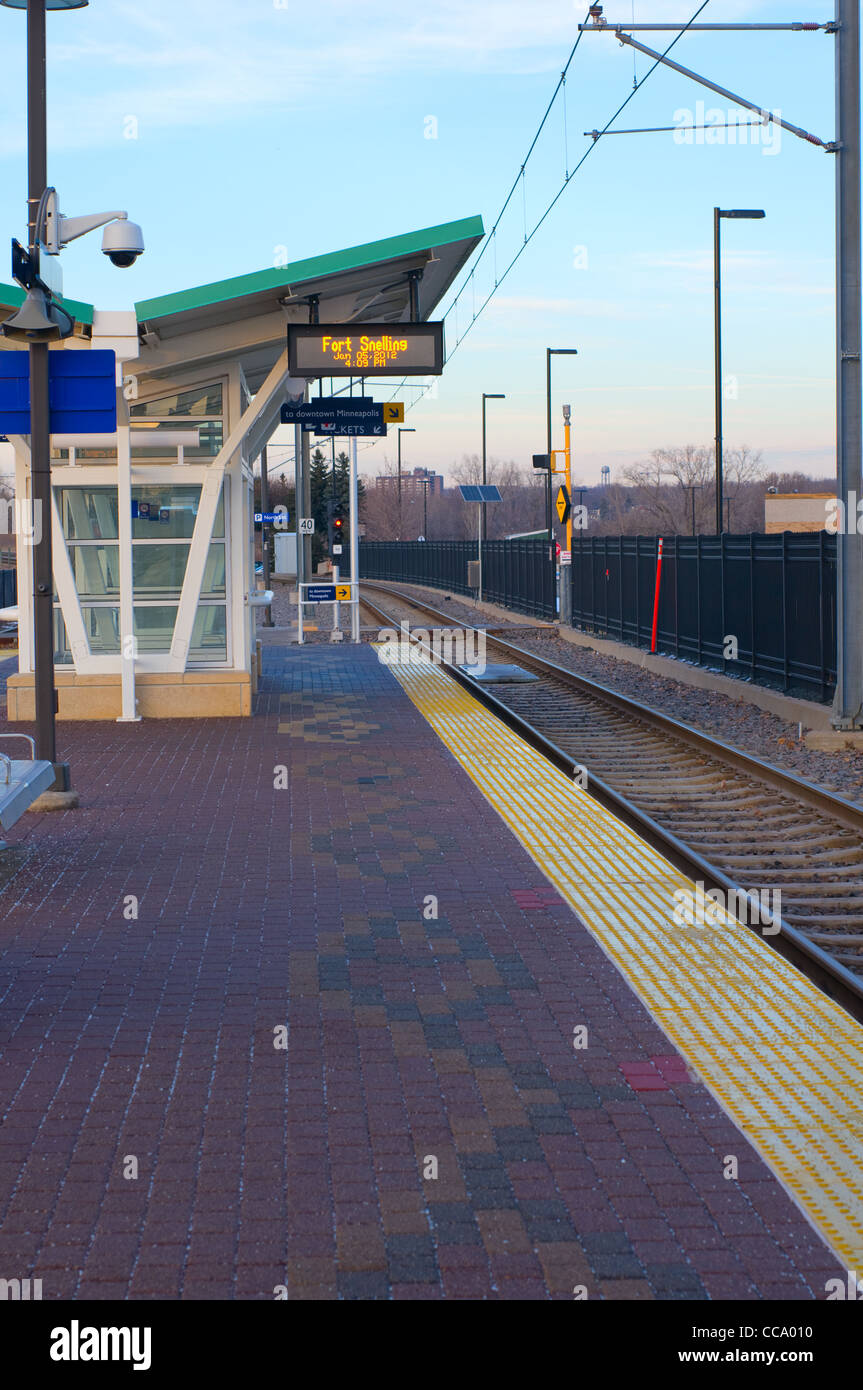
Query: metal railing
[758,606]
[516,574]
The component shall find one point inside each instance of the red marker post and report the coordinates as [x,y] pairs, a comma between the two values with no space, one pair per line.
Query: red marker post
[656,596]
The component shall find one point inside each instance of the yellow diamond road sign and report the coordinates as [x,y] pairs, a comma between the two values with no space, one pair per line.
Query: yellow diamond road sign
[343,593]
[562,503]
[394,412]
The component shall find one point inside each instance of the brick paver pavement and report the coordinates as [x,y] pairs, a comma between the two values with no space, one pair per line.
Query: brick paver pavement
[161,943]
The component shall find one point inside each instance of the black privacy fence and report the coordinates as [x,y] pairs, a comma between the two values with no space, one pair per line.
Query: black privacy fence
[762,607]
[515,574]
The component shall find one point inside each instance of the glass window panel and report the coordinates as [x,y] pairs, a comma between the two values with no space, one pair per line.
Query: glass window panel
[102,625]
[96,569]
[106,455]
[154,628]
[213,585]
[199,402]
[88,513]
[205,441]
[62,650]
[167,512]
[210,634]
[158,570]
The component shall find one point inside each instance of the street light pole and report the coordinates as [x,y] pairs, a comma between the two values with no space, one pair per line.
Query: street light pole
[848,701]
[40,438]
[486,396]
[40,425]
[718,213]
[406,430]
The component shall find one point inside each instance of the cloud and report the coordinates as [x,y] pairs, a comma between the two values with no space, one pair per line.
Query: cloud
[199,62]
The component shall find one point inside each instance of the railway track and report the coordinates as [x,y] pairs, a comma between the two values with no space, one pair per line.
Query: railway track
[724,817]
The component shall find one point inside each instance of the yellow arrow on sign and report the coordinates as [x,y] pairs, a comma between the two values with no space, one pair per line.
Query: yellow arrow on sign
[562,504]
[394,412]
[343,593]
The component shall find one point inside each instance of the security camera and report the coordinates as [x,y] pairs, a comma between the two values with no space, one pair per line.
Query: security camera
[122,243]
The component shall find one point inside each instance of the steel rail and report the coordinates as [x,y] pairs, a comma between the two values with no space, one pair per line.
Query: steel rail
[833,978]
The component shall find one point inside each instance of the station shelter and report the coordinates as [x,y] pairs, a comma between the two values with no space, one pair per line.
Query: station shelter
[153,539]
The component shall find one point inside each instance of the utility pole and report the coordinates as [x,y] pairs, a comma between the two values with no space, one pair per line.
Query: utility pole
[848,701]
[40,427]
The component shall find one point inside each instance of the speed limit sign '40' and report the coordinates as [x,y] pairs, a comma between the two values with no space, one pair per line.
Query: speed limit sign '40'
[307,525]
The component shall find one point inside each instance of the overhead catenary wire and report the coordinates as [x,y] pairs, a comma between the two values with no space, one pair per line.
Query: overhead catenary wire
[528,236]
[595,140]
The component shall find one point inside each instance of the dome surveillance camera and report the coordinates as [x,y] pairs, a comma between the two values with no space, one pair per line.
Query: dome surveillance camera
[122,243]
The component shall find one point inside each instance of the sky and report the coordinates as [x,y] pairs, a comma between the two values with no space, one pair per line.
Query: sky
[232,131]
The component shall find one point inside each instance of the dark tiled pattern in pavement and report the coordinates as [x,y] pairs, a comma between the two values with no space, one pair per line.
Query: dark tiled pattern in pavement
[428,1130]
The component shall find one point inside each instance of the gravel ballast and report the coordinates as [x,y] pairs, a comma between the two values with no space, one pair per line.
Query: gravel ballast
[737,722]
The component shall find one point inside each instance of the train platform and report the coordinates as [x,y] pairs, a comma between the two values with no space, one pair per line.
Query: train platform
[339,1002]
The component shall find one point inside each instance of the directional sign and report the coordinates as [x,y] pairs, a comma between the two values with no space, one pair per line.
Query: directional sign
[272,518]
[365,349]
[343,593]
[347,411]
[394,412]
[326,430]
[563,504]
[320,593]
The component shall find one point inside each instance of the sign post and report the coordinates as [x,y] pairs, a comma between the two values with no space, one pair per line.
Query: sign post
[355,567]
[479,493]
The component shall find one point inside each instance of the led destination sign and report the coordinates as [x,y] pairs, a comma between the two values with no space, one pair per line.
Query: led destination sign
[366,349]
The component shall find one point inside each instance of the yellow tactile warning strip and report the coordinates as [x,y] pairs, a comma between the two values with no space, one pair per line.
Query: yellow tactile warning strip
[784,1062]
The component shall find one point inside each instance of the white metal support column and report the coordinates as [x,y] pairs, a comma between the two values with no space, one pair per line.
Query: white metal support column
[129,709]
[187,609]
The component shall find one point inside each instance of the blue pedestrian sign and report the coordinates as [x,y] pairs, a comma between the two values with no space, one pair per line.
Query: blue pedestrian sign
[320,593]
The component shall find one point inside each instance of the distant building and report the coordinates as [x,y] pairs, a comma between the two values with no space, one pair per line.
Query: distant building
[413,484]
[796,511]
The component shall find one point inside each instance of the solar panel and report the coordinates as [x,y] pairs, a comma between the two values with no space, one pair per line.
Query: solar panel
[479,492]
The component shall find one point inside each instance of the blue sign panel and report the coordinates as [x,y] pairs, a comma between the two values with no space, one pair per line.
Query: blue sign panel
[272,518]
[320,593]
[82,392]
[15,392]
